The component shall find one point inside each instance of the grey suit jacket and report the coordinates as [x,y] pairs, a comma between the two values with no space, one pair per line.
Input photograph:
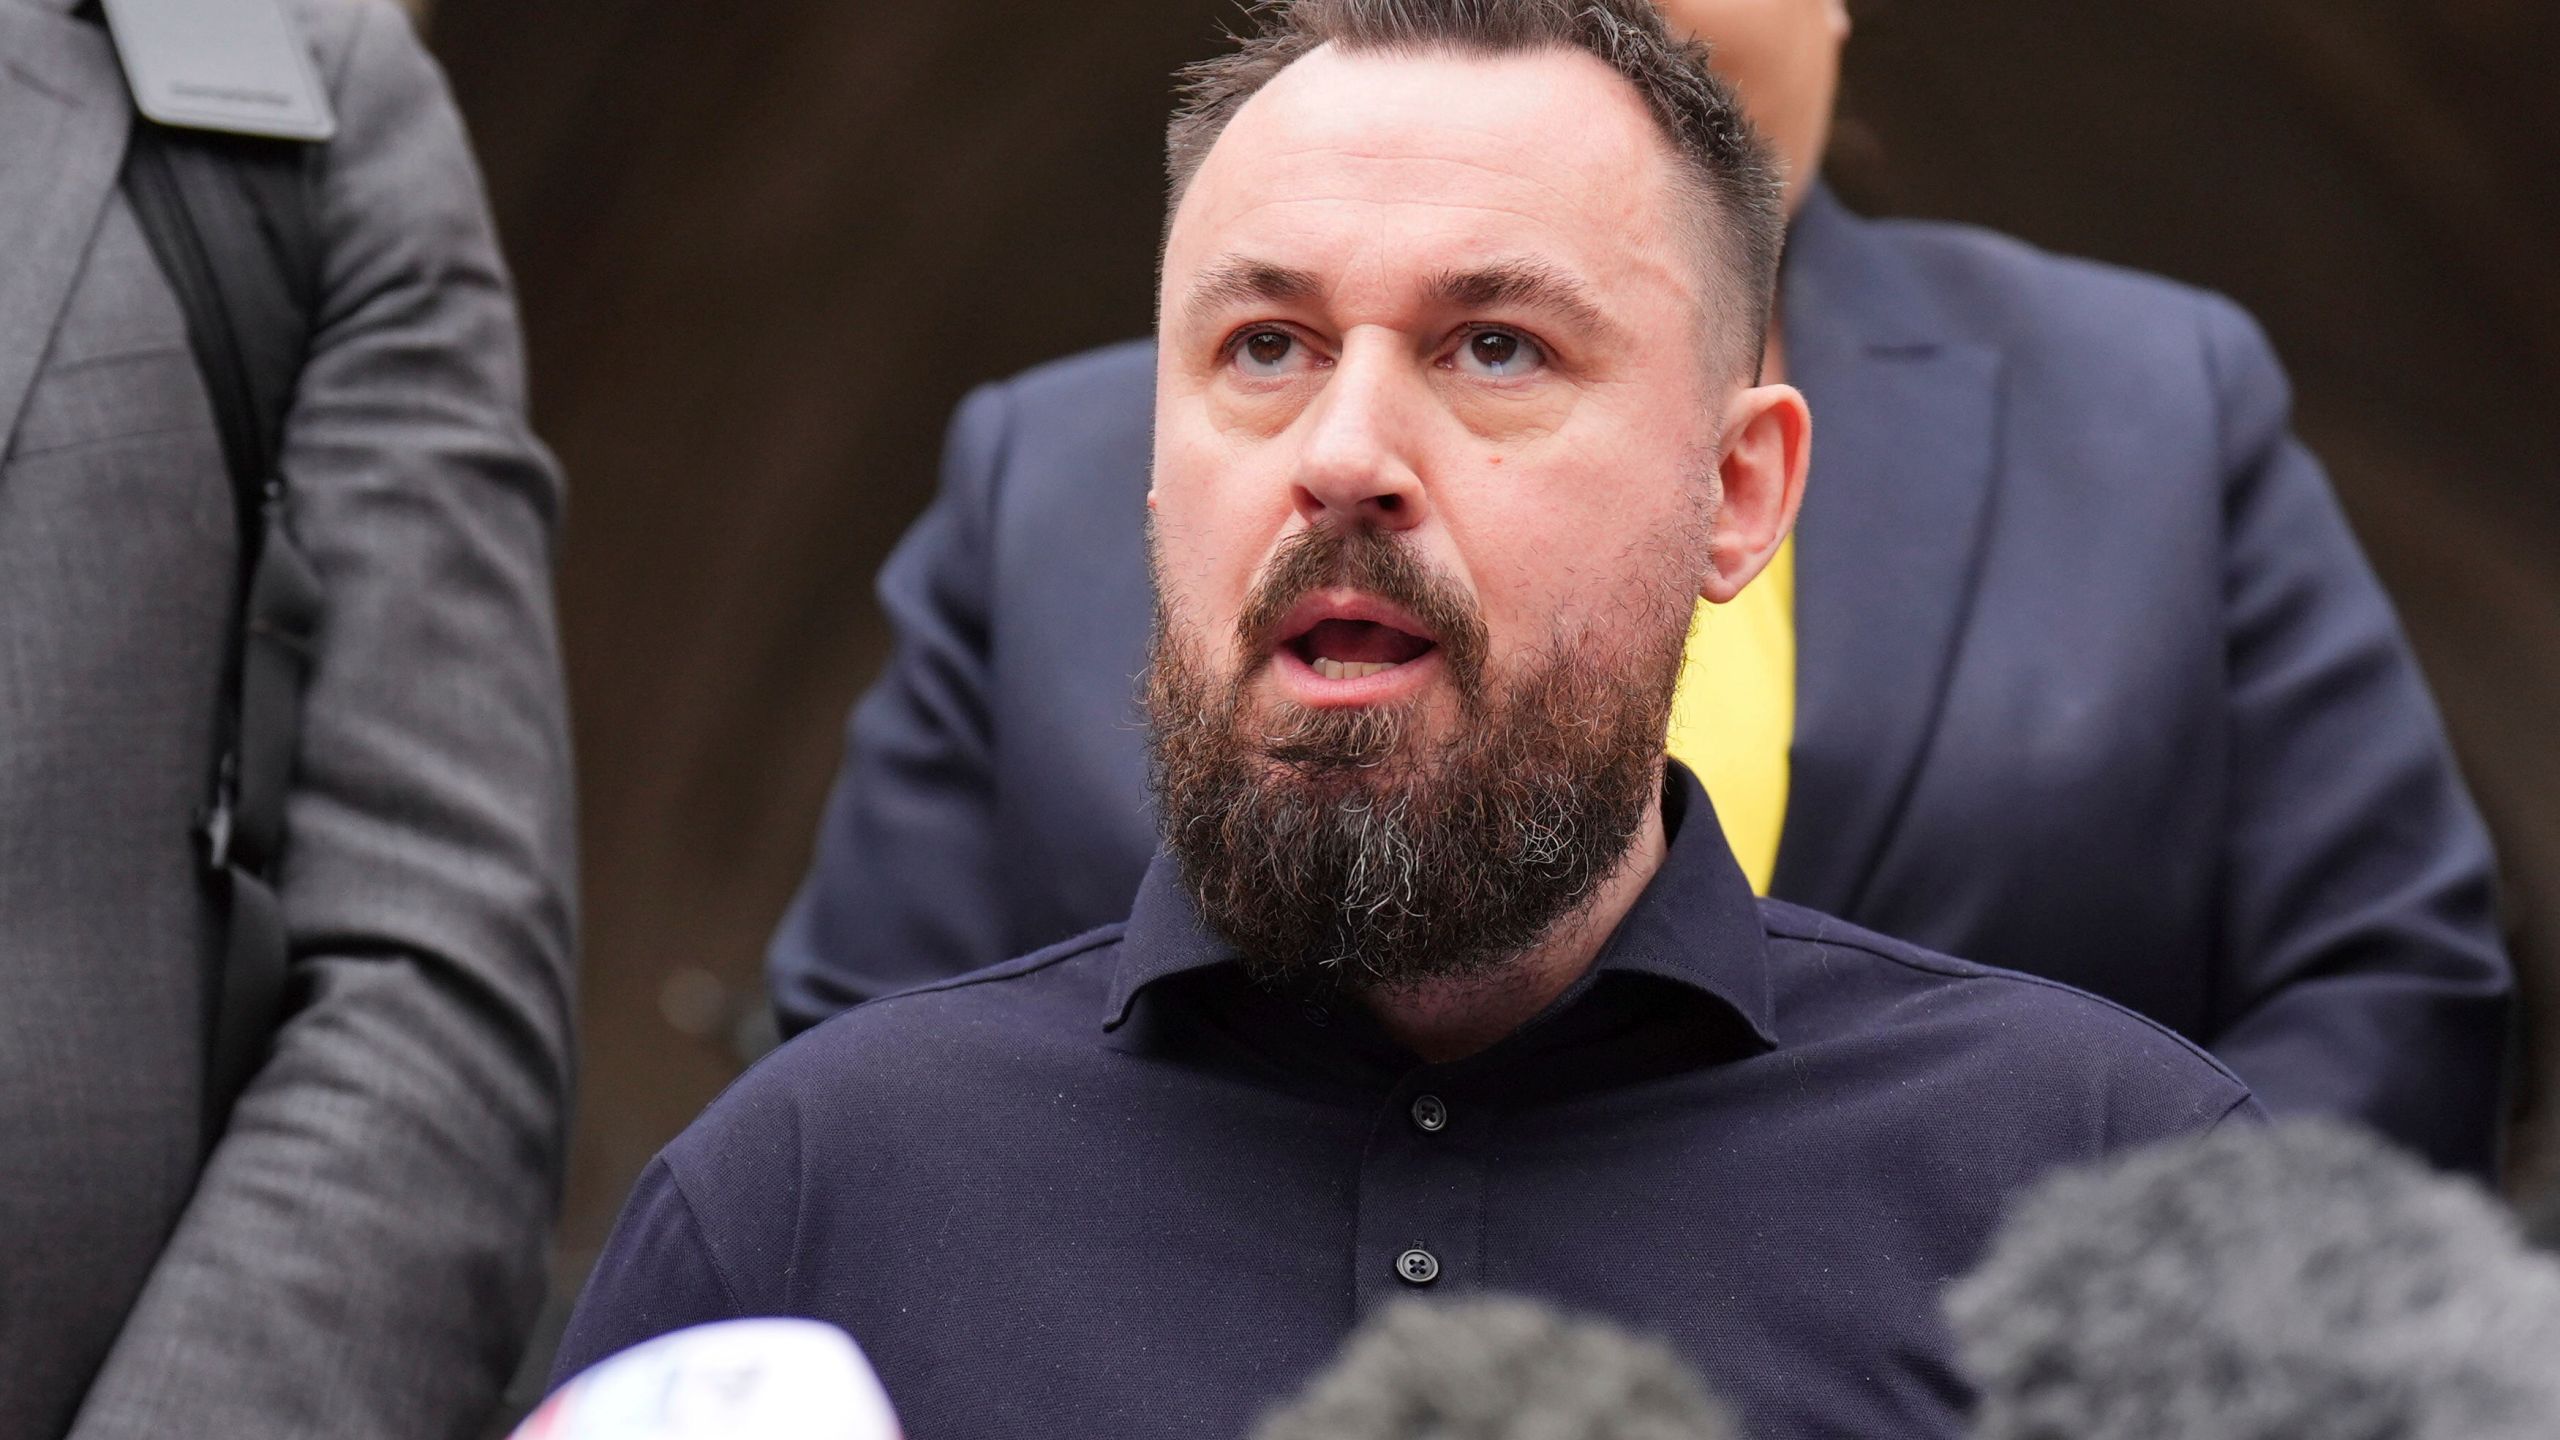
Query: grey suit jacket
[361,1254]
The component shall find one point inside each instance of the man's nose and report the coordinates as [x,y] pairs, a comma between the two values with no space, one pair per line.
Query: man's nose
[1359,465]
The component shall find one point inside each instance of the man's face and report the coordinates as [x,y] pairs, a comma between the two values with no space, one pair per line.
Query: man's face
[1449,298]
[1436,431]
[1783,58]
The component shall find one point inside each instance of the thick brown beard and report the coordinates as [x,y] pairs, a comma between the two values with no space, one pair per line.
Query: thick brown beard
[1339,849]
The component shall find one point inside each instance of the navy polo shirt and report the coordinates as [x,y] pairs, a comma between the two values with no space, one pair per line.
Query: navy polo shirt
[1112,1189]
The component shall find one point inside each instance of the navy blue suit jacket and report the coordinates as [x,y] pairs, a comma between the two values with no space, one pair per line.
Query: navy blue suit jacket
[2093,683]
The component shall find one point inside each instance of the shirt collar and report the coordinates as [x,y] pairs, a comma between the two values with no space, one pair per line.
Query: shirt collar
[1696,925]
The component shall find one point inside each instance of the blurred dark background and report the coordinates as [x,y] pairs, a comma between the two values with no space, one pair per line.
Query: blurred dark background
[764,249]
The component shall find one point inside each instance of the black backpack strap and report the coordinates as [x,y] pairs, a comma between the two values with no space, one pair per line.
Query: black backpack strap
[231,220]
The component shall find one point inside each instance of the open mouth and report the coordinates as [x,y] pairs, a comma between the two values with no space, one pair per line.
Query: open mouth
[1340,647]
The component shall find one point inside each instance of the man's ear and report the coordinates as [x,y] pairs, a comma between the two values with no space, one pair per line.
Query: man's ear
[1769,443]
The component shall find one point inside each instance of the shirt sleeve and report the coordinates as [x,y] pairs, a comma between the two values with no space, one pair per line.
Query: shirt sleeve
[657,1275]
[2366,976]
[363,1253]
[902,886]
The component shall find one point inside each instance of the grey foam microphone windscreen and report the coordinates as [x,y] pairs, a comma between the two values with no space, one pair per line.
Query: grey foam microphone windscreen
[2297,1282]
[1499,1369]
[2542,1220]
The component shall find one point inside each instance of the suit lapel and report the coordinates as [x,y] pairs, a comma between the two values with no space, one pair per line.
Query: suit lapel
[63,113]
[1889,547]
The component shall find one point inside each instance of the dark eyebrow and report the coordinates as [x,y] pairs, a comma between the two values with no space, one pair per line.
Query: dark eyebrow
[1531,284]
[1236,280]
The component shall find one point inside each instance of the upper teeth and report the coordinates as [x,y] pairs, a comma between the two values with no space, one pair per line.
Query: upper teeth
[1350,669]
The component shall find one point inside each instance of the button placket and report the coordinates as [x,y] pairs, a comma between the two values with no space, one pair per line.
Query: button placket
[1422,1184]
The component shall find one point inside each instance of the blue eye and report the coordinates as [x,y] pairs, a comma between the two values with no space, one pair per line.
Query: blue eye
[1265,354]
[1498,355]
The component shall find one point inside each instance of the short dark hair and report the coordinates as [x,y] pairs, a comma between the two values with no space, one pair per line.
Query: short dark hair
[1733,179]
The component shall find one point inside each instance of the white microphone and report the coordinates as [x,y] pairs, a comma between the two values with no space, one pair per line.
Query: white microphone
[735,1380]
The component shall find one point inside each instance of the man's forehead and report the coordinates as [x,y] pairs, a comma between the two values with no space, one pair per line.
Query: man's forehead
[1431,146]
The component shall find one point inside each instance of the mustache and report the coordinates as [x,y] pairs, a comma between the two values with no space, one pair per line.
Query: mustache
[1375,562]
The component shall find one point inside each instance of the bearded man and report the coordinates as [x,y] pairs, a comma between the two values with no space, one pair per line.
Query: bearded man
[1445,979]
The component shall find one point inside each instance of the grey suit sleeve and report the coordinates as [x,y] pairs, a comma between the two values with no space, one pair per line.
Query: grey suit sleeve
[362,1256]
[2365,974]
[903,886]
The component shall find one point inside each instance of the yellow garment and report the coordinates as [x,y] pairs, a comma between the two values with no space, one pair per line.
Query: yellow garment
[1734,716]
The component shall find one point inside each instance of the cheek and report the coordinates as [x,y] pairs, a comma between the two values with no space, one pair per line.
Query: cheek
[1542,550]
[1744,38]
[1779,57]
[1217,514]
[1552,539]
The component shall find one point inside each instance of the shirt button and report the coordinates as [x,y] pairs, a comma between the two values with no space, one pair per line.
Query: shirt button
[1417,1267]
[1430,1115]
